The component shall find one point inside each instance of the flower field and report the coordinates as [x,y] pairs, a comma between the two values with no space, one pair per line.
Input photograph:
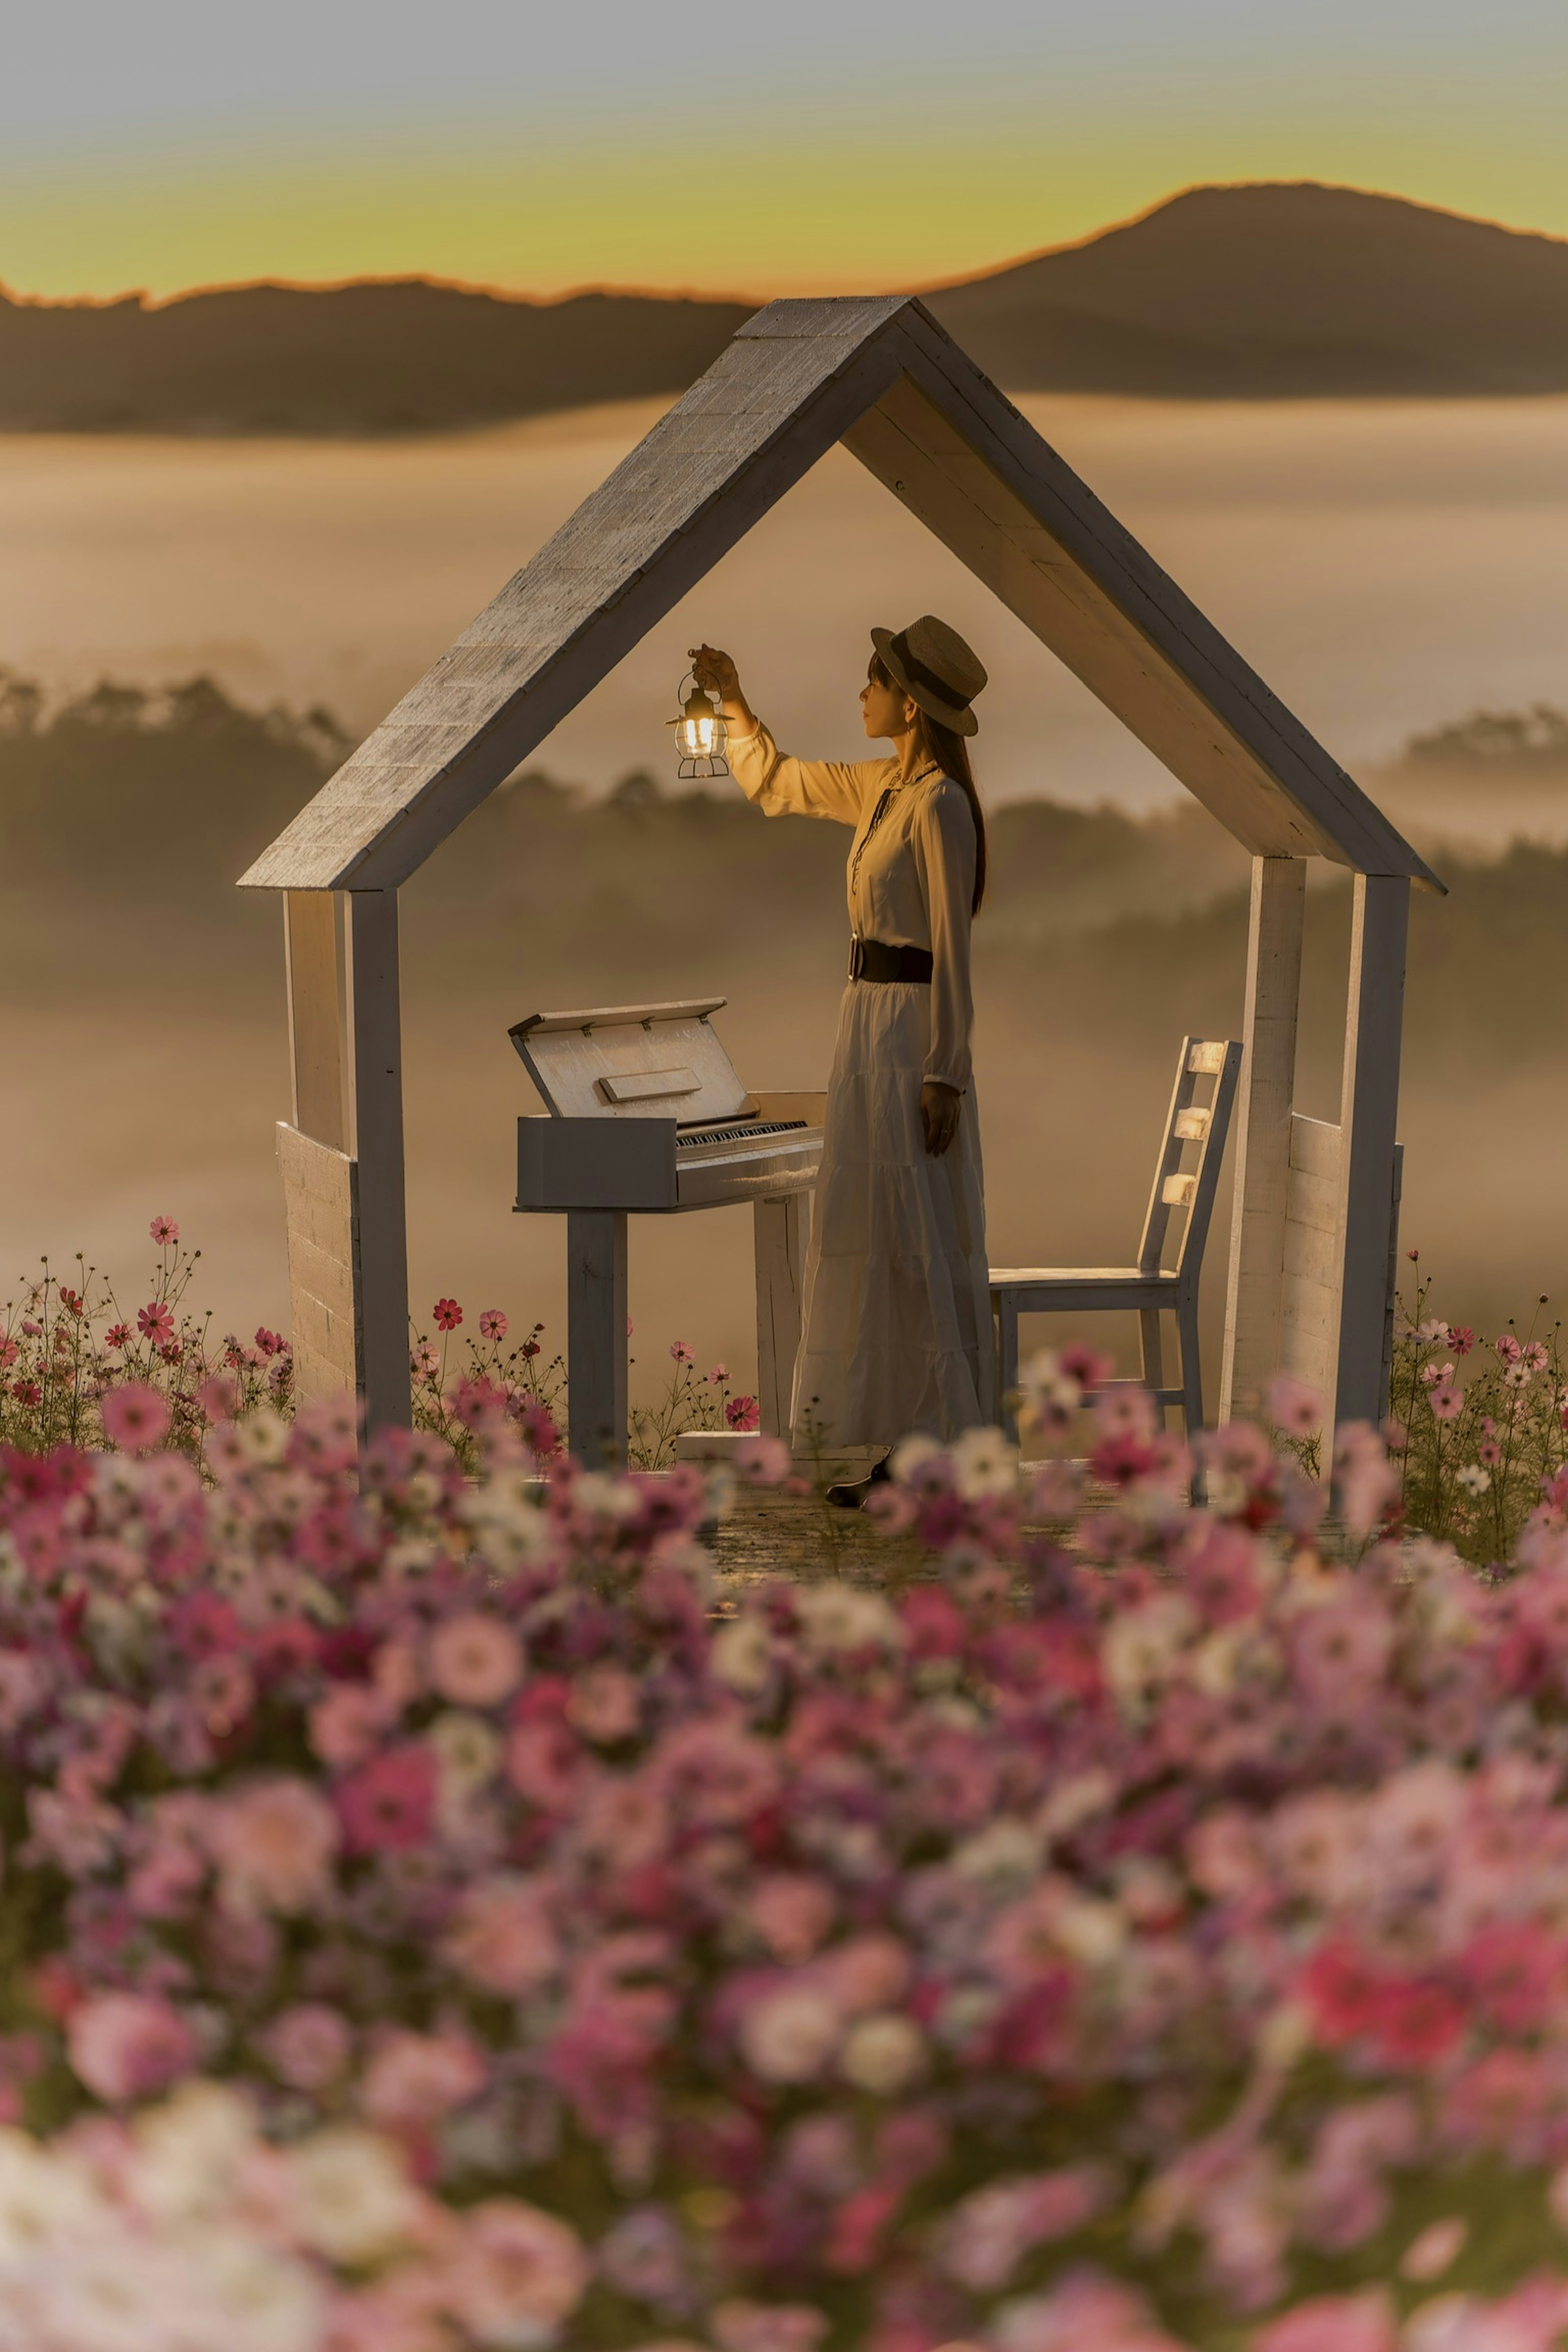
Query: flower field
[437,1918]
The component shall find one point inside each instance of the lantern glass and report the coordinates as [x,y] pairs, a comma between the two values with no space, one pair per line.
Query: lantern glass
[700,736]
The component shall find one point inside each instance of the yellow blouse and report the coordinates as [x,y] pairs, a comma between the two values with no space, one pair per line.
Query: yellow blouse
[911,879]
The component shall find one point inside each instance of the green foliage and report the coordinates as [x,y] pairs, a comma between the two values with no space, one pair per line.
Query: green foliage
[1485,1426]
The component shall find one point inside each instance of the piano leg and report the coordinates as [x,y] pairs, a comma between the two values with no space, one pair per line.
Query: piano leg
[781,1232]
[596,1337]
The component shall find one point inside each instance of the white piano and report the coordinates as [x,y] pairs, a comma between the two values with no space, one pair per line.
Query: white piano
[645,1114]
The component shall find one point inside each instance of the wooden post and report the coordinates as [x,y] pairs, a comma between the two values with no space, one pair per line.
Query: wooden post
[1252,1338]
[779,1230]
[375,1051]
[596,1336]
[312,962]
[1369,1113]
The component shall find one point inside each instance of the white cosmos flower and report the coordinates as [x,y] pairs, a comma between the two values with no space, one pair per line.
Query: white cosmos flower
[883,2054]
[837,1617]
[741,1654]
[351,2199]
[983,1463]
[788,2036]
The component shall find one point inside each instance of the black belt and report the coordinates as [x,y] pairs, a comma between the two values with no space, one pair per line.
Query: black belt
[875,959]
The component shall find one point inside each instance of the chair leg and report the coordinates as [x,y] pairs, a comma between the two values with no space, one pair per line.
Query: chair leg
[1192,1368]
[1152,1352]
[1006,1316]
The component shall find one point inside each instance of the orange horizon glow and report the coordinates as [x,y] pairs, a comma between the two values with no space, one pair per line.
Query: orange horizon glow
[497,289]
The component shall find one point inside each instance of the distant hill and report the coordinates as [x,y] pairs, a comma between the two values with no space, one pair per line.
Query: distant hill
[1253,292]
[1260,292]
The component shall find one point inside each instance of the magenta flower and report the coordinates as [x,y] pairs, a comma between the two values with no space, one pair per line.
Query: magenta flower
[155,1322]
[448,1314]
[134,1416]
[682,1351]
[493,1323]
[387,1806]
[741,1413]
[164,1231]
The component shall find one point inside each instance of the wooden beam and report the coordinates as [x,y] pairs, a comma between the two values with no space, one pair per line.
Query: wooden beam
[1165,644]
[1262,1181]
[596,1337]
[711,469]
[879,373]
[1369,1113]
[312,962]
[376,1041]
[780,1233]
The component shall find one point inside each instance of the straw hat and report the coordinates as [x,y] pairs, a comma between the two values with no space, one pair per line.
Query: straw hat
[935,667]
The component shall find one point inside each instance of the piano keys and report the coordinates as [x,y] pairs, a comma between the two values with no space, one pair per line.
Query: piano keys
[646,1114]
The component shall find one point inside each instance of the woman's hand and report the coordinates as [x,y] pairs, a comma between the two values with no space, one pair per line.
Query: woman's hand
[939,1108]
[715,672]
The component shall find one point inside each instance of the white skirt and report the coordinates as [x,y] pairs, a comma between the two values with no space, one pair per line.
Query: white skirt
[897,1311]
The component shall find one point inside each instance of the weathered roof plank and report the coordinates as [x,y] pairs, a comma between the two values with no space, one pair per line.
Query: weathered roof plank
[878,373]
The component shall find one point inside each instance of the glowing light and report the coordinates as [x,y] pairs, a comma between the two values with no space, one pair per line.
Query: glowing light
[700,736]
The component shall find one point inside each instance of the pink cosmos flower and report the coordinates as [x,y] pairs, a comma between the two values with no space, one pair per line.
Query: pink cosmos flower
[219,1396]
[740,2326]
[273,1844]
[347,1724]
[493,1323]
[1086,1365]
[718,1376]
[28,1392]
[683,1351]
[741,1413]
[308,2046]
[1507,1347]
[1335,2323]
[517,2274]
[475,1660]
[763,1461]
[1294,1406]
[792,1913]
[414,2079]
[128,2045]
[135,1416]
[154,1321]
[9,1351]
[387,1806]
[502,1939]
[605,1705]
[163,1231]
[448,1314]
[1446,1401]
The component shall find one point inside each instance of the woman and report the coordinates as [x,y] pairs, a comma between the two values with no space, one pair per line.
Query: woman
[897,1331]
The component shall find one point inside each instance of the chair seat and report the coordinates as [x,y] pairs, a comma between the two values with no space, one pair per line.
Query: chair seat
[1023,1278]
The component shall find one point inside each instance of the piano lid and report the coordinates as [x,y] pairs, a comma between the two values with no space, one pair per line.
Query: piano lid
[632,1061]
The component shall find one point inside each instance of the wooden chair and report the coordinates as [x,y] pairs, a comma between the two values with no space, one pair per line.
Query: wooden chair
[1197,1132]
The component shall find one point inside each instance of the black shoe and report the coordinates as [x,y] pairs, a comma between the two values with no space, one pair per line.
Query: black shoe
[851,1494]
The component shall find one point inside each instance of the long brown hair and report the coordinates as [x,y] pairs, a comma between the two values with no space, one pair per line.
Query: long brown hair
[950,752]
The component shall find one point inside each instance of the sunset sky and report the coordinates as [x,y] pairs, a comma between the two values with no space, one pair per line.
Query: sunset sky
[181,142]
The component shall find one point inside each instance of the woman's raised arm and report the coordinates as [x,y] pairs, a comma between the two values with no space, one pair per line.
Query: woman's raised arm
[780,784]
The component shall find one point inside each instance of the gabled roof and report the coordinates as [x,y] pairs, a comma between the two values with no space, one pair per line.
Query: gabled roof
[879,374]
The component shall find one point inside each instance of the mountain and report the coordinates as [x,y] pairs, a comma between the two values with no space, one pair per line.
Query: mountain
[396,357]
[1265,291]
[1250,292]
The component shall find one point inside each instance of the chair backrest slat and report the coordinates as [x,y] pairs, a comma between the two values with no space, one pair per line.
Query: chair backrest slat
[1200,1129]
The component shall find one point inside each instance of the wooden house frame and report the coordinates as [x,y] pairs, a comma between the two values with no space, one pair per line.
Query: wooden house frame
[1313,1225]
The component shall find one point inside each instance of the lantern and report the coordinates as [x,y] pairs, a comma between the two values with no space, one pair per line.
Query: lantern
[699,734]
